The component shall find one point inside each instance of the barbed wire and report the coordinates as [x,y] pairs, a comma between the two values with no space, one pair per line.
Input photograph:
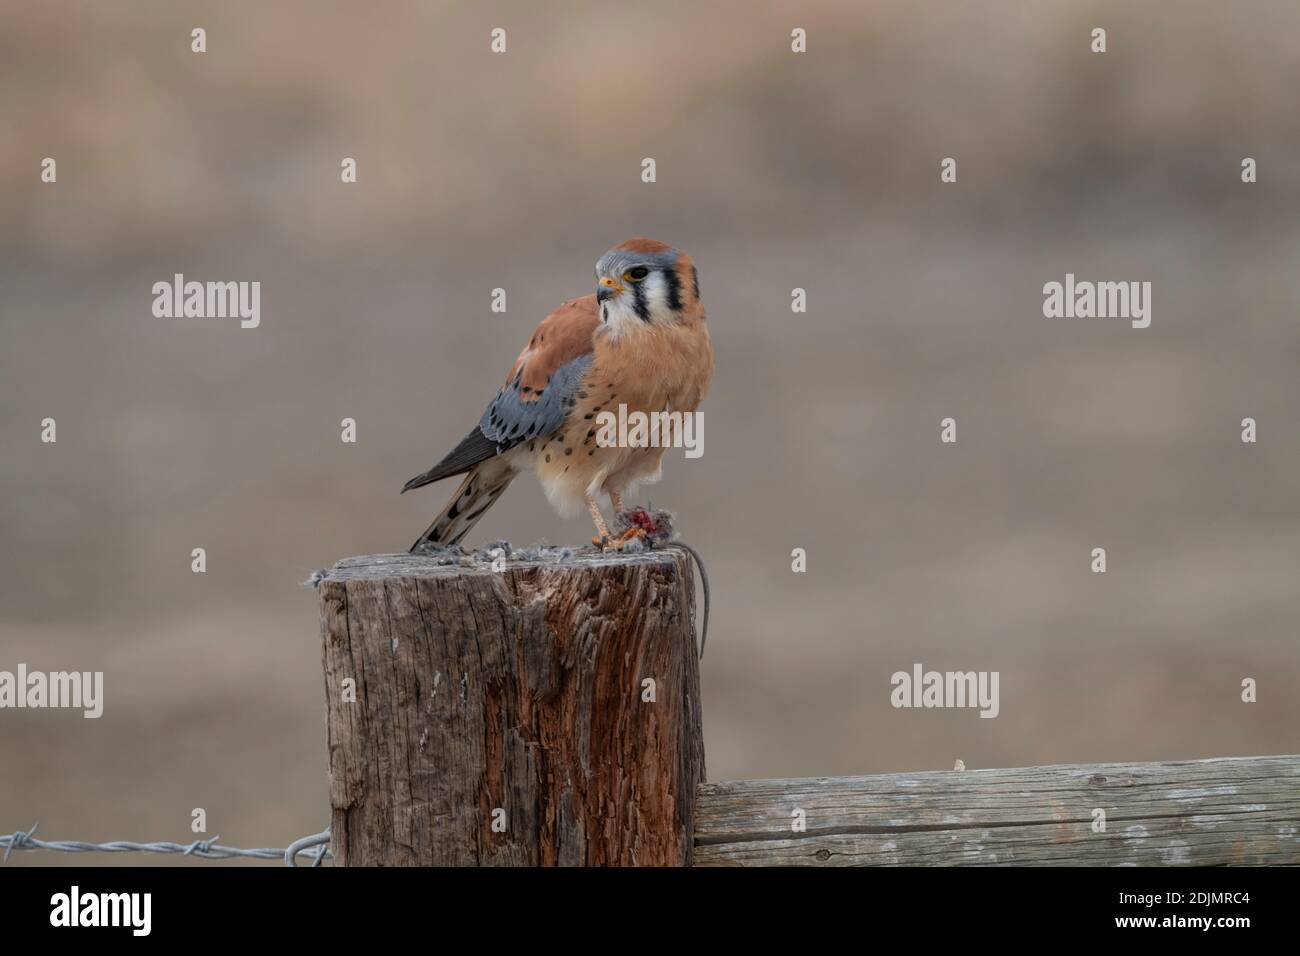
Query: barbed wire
[207,849]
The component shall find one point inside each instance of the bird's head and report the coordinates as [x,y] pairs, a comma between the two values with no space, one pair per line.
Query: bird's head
[643,282]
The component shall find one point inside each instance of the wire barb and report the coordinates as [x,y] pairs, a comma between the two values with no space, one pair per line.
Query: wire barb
[20,841]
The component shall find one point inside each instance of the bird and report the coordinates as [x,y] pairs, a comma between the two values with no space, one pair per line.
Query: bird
[638,344]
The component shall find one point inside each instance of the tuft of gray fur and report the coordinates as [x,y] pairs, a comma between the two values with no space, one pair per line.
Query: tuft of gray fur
[484,556]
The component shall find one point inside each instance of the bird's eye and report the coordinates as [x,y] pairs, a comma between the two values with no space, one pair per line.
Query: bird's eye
[637,274]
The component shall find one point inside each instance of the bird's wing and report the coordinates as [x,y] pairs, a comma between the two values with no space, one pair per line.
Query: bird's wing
[538,394]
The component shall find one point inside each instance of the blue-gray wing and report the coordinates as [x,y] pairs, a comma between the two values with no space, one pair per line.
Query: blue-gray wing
[539,391]
[513,417]
[517,416]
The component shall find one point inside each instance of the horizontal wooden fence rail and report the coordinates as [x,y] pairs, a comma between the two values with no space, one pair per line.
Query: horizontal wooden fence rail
[543,707]
[1237,810]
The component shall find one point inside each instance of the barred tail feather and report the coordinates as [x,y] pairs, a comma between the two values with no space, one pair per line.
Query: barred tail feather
[476,494]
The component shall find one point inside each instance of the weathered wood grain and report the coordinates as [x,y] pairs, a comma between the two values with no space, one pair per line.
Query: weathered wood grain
[1196,812]
[518,690]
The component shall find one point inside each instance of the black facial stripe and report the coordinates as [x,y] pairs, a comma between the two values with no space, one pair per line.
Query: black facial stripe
[695,281]
[674,290]
[639,304]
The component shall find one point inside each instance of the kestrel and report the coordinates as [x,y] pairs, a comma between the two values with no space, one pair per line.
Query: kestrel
[640,341]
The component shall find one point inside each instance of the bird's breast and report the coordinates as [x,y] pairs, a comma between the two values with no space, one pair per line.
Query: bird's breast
[655,369]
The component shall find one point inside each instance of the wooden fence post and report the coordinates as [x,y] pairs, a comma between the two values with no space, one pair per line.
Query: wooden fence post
[547,713]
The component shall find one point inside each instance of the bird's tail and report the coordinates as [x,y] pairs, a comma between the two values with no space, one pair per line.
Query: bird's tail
[476,494]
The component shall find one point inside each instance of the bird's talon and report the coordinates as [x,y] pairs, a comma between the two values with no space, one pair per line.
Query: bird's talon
[622,541]
[619,543]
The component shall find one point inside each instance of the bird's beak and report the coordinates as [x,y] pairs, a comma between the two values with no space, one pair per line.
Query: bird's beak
[607,288]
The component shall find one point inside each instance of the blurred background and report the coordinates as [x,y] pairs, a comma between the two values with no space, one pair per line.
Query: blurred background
[775,171]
